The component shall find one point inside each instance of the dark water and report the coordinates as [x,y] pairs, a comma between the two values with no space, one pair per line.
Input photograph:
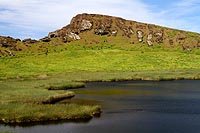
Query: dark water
[134,107]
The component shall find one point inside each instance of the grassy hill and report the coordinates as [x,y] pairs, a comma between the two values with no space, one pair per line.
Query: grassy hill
[100,31]
[91,48]
[99,43]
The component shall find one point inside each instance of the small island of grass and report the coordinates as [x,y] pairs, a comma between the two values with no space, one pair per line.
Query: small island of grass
[27,102]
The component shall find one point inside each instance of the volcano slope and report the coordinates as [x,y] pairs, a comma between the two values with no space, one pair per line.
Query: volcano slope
[91,48]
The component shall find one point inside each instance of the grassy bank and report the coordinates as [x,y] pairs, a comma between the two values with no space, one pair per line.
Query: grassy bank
[26,113]
[29,101]
[32,86]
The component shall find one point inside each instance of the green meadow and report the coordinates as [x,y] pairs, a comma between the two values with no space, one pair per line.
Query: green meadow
[105,60]
[32,86]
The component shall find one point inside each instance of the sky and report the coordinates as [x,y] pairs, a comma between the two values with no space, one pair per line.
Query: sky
[36,18]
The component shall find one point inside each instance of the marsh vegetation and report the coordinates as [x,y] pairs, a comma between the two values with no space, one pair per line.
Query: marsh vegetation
[33,86]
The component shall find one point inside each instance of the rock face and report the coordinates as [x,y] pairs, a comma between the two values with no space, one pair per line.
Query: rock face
[140,35]
[85,25]
[45,39]
[149,39]
[94,29]
[135,32]
[8,41]
[8,44]
[29,41]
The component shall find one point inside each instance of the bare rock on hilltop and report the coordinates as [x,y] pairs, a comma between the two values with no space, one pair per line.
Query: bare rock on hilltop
[29,41]
[8,41]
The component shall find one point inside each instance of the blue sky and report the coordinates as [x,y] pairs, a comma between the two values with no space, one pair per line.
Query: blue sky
[36,18]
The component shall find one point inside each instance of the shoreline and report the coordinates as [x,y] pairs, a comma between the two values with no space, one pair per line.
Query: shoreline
[29,105]
[85,118]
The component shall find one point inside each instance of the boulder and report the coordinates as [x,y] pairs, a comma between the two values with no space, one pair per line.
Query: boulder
[158,34]
[114,32]
[140,35]
[131,30]
[149,39]
[68,37]
[53,34]
[101,30]
[85,25]
[73,36]
[45,39]
[8,41]
[159,37]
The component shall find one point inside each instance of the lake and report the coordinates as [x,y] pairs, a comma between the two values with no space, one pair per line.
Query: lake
[132,107]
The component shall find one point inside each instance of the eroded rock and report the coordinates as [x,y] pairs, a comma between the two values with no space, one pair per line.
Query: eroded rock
[114,32]
[68,37]
[171,42]
[159,37]
[73,36]
[85,25]
[186,47]
[29,41]
[101,30]
[140,35]
[53,34]
[131,31]
[9,53]
[158,34]
[45,39]
[149,39]
[8,41]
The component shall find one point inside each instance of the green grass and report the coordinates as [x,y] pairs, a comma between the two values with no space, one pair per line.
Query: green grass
[28,81]
[96,60]
[22,101]
[5,132]
[65,85]
[57,98]
[17,113]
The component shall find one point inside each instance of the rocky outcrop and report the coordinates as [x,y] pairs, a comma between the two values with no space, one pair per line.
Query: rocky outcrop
[73,36]
[45,39]
[95,29]
[114,32]
[140,35]
[101,30]
[149,39]
[29,41]
[9,53]
[108,26]
[8,41]
[85,25]
[159,37]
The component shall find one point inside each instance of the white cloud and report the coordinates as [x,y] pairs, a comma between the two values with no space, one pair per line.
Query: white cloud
[47,15]
[187,3]
[35,18]
[183,14]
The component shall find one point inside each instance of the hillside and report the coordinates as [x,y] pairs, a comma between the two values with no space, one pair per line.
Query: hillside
[97,31]
[35,75]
